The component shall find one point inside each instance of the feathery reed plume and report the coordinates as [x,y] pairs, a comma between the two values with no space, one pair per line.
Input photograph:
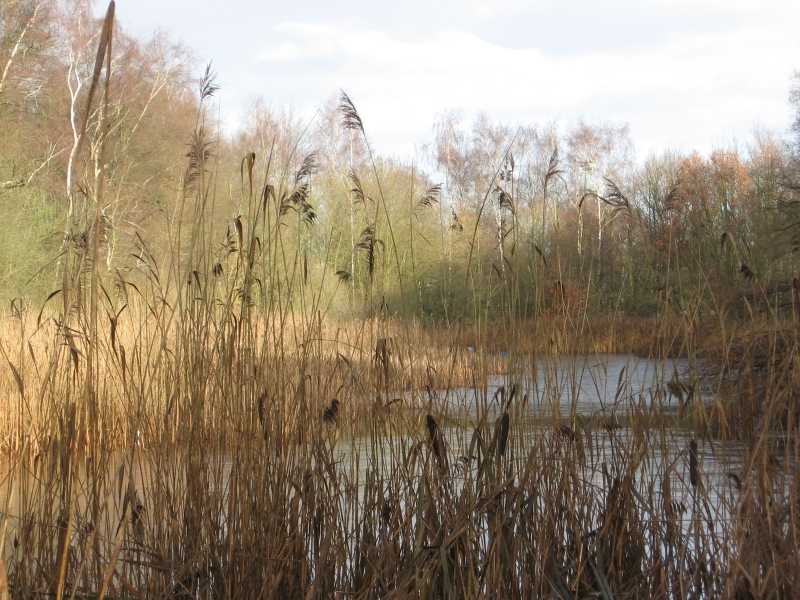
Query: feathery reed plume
[675,388]
[307,167]
[506,172]
[350,116]
[504,199]
[455,224]
[613,198]
[298,201]
[207,85]
[357,190]
[368,243]
[431,196]
[199,154]
[553,168]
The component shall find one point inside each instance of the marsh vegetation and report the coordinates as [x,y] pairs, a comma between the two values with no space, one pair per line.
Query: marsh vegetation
[278,365]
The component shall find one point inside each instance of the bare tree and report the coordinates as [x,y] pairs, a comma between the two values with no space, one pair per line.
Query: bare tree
[18,23]
[597,153]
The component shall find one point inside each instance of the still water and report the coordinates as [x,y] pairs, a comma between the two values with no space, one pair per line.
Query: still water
[593,401]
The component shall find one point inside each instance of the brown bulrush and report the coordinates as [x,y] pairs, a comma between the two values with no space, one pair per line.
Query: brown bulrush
[331,413]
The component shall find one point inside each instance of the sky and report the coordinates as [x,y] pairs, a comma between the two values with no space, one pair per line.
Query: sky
[683,74]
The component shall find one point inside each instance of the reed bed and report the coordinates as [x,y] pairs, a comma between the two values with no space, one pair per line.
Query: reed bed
[221,469]
[200,427]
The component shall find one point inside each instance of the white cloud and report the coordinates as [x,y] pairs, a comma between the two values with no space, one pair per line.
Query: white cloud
[686,73]
[690,91]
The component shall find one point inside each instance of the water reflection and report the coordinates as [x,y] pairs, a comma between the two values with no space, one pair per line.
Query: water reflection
[591,403]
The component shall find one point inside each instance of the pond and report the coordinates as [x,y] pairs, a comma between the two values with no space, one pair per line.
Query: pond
[580,430]
[598,402]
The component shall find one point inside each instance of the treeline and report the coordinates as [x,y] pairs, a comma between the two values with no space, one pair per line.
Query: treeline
[490,220]
[48,184]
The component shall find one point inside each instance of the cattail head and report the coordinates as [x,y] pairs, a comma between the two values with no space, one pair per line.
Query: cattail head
[331,413]
[433,428]
[693,474]
[746,272]
[435,437]
[566,432]
[501,442]
[386,510]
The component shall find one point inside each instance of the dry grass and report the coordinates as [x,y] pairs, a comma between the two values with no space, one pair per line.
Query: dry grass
[198,428]
[202,456]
